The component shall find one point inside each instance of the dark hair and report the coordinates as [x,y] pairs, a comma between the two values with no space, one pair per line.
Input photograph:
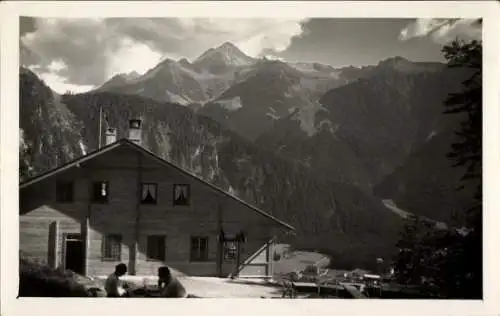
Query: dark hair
[121,268]
[163,275]
[163,272]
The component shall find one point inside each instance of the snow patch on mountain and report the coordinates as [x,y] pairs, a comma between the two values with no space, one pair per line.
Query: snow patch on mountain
[391,205]
[272,116]
[162,138]
[196,153]
[288,94]
[272,57]
[307,116]
[212,173]
[306,67]
[230,104]
[316,70]
[83,148]
[175,98]
[304,92]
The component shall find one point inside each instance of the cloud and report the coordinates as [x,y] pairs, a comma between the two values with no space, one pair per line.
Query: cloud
[189,38]
[83,45]
[93,50]
[26,25]
[442,31]
[60,84]
[57,66]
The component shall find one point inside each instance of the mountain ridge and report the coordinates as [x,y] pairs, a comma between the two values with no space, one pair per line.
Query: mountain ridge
[326,213]
[318,146]
[226,65]
[361,131]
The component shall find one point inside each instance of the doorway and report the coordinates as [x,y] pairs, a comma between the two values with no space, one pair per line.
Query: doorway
[74,253]
[230,257]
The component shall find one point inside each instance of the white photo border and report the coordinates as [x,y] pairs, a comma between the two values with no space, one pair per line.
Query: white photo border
[9,141]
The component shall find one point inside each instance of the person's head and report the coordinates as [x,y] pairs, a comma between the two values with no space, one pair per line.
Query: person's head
[121,269]
[164,274]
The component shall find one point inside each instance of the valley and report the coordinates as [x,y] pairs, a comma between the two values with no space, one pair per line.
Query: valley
[316,146]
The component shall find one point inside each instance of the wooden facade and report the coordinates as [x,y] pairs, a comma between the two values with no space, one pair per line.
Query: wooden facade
[124,204]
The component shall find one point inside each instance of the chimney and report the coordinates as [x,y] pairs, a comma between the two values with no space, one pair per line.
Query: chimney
[110,136]
[134,131]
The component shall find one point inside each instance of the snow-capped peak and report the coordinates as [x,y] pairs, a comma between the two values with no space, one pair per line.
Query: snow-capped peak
[227,54]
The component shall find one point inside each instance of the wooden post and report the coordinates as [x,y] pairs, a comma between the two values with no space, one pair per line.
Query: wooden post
[85,236]
[270,259]
[100,126]
[237,258]
[220,241]
[53,255]
[86,231]
[135,249]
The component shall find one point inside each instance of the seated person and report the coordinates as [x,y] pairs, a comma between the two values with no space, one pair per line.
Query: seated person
[169,285]
[113,286]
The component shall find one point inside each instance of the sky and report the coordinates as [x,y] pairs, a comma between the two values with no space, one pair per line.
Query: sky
[78,55]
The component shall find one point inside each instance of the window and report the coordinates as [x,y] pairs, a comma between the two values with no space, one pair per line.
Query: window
[230,248]
[149,192]
[181,194]
[199,248]
[156,247]
[112,247]
[64,191]
[100,192]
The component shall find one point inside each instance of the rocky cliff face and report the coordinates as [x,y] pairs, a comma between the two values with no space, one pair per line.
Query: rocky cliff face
[45,124]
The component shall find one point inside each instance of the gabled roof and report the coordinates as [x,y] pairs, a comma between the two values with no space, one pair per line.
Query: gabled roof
[126,142]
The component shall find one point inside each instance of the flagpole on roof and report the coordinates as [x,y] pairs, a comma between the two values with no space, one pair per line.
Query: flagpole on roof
[100,126]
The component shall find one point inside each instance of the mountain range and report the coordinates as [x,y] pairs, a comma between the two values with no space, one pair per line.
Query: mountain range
[317,146]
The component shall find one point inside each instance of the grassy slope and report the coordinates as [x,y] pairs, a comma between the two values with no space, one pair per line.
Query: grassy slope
[39,280]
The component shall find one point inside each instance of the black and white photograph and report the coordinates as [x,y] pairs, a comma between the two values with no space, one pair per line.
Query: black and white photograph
[250,157]
[352,166]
